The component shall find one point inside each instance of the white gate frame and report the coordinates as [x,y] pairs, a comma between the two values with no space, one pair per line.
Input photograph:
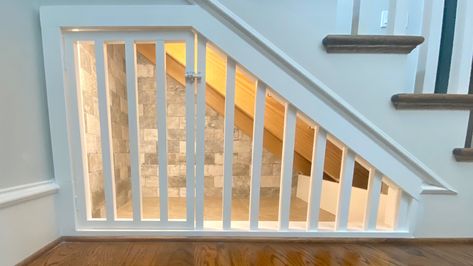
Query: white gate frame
[78,140]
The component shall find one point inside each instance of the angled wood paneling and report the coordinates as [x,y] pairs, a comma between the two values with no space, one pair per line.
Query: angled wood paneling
[244,110]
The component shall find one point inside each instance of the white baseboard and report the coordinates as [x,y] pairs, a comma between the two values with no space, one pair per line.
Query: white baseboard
[27,227]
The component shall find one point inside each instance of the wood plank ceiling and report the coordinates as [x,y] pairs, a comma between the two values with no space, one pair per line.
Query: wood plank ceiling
[244,110]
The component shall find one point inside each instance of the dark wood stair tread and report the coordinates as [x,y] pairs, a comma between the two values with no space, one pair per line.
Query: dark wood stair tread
[374,44]
[433,101]
[463,154]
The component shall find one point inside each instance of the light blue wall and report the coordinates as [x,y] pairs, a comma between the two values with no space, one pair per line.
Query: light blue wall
[25,145]
[25,152]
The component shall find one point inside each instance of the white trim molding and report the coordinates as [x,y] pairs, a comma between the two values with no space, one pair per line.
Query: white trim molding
[430,179]
[18,194]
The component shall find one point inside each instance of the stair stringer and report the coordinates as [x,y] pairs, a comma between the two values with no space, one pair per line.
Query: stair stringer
[333,114]
[261,58]
[411,167]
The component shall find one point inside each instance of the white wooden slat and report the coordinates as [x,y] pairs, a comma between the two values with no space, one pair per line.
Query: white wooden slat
[190,137]
[287,166]
[462,50]
[133,128]
[228,143]
[200,135]
[402,211]
[316,178]
[72,67]
[429,52]
[398,15]
[344,16]
[161,114]
[257,154]
[412,215]
[391,205]
[355,20]
[374,193]
[105,130]
[344,190]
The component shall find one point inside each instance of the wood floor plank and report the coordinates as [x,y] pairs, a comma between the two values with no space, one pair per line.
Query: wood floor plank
[201,252]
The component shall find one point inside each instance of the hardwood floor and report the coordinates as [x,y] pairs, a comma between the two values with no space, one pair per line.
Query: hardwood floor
[241,252]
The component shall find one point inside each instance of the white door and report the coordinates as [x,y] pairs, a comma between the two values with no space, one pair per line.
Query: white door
[133,145]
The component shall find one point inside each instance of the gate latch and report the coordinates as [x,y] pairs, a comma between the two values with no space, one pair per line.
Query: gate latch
[192,76]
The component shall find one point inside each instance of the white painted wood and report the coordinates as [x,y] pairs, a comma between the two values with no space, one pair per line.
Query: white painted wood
[429,51]
[161,115]
[344,16]
[332,103]
[200,135]
[398,14]
[19,194]
[355,21]
[353,136]
[29,223]
[402,211]
[190,136]
[257,154]
[462,53]
[105,129]
[141,35]
[82,192]
[144,224]
[133,128]
[390,206]
[285,186]
[374,193]
[228,143]
[316,177]
[412,215]
[59,123]
[344,192]
[351,127]
[416,14]
[213,231]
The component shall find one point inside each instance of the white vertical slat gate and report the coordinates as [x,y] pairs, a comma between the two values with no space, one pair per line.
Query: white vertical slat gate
[200,138]
[105,130]
[161,114]
[257,154]
[133,127]
[195,123]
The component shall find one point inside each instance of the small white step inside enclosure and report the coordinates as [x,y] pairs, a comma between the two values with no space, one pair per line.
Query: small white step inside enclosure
[145,126]
[162,131]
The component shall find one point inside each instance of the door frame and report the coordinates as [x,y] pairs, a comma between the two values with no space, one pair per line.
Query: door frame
[76,125]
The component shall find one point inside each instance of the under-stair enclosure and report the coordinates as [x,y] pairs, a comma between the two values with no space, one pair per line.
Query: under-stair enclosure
[184,125]
[211,119]
[172,133]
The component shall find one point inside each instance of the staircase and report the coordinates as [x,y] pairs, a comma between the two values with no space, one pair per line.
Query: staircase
[228,66]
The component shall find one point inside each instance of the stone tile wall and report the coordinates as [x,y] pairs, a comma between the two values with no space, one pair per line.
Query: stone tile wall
[214,132]
[119,123]
[176,122]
